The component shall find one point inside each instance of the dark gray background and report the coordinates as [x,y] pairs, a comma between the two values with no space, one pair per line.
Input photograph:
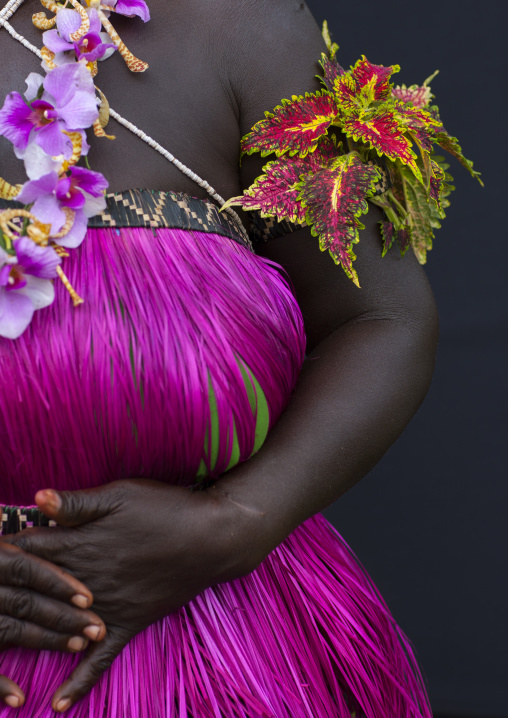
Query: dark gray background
[429,522]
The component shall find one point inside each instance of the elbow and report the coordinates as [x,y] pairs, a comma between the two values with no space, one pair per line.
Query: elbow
[416,327]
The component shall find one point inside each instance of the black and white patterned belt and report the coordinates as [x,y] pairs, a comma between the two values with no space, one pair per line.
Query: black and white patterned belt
[175,210]
[158,210]
[17,518]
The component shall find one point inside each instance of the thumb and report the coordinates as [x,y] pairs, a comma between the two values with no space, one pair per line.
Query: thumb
[74,508]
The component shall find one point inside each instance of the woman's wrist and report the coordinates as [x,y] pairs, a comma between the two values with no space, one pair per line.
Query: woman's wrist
[245,535]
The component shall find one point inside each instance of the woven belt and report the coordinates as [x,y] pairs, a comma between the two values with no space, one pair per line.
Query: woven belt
[17,518]
[158,210]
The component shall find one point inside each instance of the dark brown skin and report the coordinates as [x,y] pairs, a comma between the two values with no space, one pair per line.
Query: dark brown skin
[214,69]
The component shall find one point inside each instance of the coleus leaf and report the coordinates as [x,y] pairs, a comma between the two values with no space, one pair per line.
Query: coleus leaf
[332,70]
[334,198]
[436,182]
[405,238]
[390,234]
[440,189]
[421,128]
[294,127]
[417,95]
[364,74]
[451,145]
[276,191]
[382,133]
[420,124]
[332,46]
[419,211]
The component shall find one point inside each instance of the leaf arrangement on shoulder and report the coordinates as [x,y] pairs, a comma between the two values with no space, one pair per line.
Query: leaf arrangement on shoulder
[332,148]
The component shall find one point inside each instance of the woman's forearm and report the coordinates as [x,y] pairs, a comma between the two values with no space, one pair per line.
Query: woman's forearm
[358,390]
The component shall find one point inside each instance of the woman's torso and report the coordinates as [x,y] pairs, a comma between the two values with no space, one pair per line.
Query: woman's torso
[99,396]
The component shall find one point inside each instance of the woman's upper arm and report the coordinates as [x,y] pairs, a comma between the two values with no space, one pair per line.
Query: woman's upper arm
[392,287]
[277,57]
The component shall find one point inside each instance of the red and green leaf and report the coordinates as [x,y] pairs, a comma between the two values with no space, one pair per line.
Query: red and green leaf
[451,145]
[388,233]
[332,46]
[382,134]
[332,70]
[363,85]
[440,189]
[294,127]
[405,238]
[420,215]
[418,95]
[275,192]
[365,73]
[437,178]
[344,88]
[391,235]
[310,182]
[419,123]
[334,199]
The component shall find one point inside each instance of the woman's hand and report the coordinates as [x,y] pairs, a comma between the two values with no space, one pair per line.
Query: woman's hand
[36,610]
[144,549]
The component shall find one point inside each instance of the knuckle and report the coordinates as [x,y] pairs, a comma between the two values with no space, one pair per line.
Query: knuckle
[71,501]
[116,494]
[67,621]
[10,631]
[103,659]
[20,604]
[100,665]
[20,571]
[23,542]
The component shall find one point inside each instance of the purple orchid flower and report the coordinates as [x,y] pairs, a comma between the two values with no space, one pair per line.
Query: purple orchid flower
[81,190]
[91,47]
[25,284]
[130,8]
[68,103]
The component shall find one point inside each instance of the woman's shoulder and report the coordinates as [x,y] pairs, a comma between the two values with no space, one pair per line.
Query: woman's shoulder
[271,51]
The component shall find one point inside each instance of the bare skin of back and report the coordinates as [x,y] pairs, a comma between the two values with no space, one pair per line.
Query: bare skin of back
[215,67]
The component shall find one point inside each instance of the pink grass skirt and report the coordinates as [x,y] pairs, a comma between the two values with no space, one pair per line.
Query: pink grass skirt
[120,388]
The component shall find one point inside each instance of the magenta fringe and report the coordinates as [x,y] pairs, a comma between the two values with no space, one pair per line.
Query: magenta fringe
[306,635]
[120,387]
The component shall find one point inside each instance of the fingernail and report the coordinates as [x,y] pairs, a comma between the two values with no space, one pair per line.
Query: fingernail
[92,632]
[13,701]
[77,643]
[50,498]
[63,704]
[80,601]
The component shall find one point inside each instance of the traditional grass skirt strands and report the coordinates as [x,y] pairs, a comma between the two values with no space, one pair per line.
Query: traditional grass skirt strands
[120,387]
[294,639]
